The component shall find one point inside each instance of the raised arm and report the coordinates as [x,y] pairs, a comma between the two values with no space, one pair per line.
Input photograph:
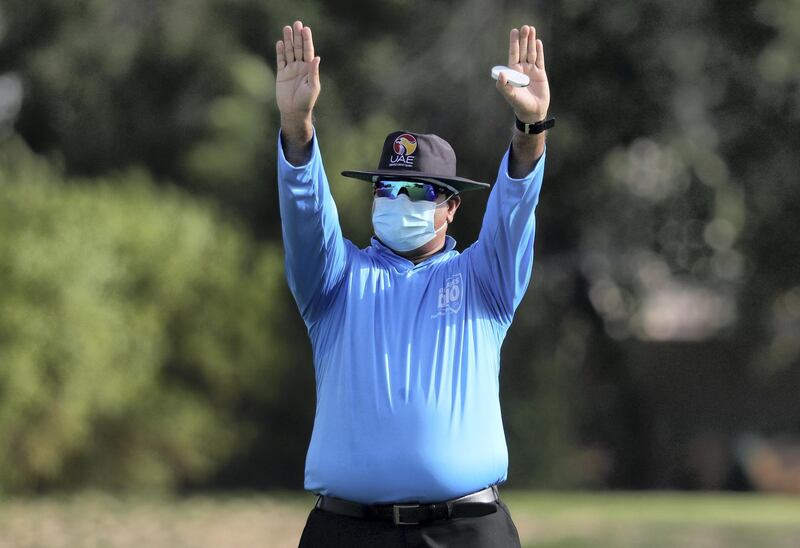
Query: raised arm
[502,258]
[530,104]
[314,247]
[296,90]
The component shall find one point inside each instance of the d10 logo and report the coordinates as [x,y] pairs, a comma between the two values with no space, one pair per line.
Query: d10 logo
[450,296]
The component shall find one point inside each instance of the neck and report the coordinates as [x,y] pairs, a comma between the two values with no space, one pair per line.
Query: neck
[416,256]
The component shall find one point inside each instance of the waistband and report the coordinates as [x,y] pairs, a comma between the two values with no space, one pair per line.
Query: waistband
[479,503]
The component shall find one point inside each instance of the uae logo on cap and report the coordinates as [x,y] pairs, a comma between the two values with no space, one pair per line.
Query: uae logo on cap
[404,147]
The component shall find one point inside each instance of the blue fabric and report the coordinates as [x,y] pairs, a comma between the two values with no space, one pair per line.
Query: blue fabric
[406,356]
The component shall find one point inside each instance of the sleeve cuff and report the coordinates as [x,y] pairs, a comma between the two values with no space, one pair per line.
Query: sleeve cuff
[284,163]
[531,174]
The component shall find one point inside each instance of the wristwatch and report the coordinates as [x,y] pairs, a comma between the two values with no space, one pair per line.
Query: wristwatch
[537,127]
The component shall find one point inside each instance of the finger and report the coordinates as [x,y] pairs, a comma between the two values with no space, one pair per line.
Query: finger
[539,54]
[532,46]
[297,37]
[502,80]
[287,42]
[313,77]
[280,54]
[523,43]
[308,45]
[503,87]
[513,47]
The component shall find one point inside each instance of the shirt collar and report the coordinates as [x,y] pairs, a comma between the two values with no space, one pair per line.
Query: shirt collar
[401,263]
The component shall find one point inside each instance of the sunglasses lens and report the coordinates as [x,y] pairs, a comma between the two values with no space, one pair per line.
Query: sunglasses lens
[384,191]
[424,191]
[416,191]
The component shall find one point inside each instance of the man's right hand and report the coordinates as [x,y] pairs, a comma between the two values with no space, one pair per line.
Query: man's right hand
[297,83]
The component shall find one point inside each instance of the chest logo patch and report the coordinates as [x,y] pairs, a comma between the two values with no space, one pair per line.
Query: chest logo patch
[450,296]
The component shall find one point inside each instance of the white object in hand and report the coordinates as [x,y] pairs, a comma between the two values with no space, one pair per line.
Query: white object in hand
[515,78]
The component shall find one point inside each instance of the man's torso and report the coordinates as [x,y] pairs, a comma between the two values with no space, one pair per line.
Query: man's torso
[407,364]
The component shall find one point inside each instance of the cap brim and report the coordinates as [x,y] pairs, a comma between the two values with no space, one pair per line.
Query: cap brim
[459,183]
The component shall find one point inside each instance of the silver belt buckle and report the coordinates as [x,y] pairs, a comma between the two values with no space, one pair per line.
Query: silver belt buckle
[396,514]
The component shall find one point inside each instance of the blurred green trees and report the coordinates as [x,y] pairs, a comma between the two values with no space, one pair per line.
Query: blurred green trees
[135,324]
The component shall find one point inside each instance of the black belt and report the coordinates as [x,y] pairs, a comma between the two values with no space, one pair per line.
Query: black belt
[476,504]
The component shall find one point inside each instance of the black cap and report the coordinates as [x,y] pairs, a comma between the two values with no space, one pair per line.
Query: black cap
[417,157]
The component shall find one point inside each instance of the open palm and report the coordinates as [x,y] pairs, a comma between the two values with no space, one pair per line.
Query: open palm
[297,81]
[526,55]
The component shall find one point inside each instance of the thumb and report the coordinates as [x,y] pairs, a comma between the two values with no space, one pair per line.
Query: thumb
[503,87]
[313,77]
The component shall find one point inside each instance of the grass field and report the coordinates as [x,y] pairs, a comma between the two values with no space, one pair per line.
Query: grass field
[553,520]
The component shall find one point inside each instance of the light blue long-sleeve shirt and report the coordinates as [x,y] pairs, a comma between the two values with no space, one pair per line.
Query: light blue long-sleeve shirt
[406,356]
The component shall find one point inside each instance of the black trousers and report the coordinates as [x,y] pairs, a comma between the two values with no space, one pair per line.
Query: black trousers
[324,529]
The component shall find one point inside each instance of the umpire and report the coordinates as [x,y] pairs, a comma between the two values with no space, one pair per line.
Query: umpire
[408,445]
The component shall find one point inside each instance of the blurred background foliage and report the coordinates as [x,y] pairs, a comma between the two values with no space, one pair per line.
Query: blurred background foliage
[147,337]
[138,325]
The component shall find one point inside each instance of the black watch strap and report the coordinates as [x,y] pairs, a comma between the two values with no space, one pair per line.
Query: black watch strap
[537,127]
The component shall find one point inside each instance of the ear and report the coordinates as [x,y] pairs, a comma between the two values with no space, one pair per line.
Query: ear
[452,206]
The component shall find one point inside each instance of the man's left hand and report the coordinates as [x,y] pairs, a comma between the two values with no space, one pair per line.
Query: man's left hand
[526,55]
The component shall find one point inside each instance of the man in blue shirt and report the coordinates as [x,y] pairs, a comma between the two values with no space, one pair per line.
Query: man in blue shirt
[408,445]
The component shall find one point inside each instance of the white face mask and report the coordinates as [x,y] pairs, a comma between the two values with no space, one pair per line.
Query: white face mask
[404,225]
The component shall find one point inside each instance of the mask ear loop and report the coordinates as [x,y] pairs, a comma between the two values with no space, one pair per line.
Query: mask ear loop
[446,222]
